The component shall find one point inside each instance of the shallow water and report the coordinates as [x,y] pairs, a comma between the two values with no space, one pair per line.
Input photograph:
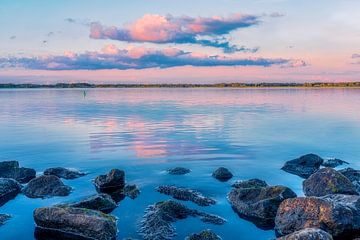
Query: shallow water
[145,131]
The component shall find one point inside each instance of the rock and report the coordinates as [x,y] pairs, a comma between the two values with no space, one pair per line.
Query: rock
[4,218]
[333,162]
[76,222]
[64,173]
[308,234]
[251,183]
[353,175]
[222,174]
[186,194]
[131,191]
[46,186]
[303,166]
[337,214]
[11,169]
[9,188]
[328,181]
[204,235]
[111,182]
[259,204]
[101,202]
[178,171]
[158,219]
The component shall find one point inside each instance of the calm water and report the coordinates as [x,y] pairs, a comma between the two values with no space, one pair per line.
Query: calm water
[145,131]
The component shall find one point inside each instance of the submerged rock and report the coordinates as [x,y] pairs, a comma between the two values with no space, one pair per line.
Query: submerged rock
[131,191]
[178,171]
[328,181]
[186,194]
[4,218]
[251,183]
[308,234]
[259,204]
[46,186]
[111,182]
[9,188]
[157,221]
[101,202]
[303,166]
[222,174]
[333,162]
[11,169]
[79,223]
[337,214]
[64,173]
[204,235]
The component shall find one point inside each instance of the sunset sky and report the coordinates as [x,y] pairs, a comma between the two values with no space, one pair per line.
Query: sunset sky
[168,41]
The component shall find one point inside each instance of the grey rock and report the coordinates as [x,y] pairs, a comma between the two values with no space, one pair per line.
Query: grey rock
[328,181]
[11,169]
[131,191]
[333,162]
[4,218]
[64,173]
[186,194]
[303,166]
[111,182]
[178,171]
[251,183]
[79,223]
[204,235]
[222,174]
[9,188]
[308,234]
[101,202]
[353,175]
[46,186]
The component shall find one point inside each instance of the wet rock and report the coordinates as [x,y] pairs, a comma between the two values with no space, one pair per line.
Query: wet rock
[4,218]
[186,194]
[9,188]
[204,235]
[251,183]
[333,162]
[308,234]
[131,191]
[79,223]
[178,171]
[222,174]
[158,219]
[303,166]
[64,173]
[111,182]
[46,186]
[337,214]
[353,175]
[328,181]
[11,169]
[259,204]
[101,202]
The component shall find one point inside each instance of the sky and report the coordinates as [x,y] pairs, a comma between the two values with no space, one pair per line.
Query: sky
[172,41]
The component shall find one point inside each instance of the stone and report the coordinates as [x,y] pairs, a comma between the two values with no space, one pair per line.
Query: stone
[353,175]
[131,191]
[76,222]
[204,235]
[308,234]
[259,205]
[222,174]
[328,181]
[251,183]
[333,162]
[337,214]
[186,194]
[111,182]
[4,218]
[158,219]
[11,169]
[303,166]
[46,186]
[100,202]
[64,173]
[178,171]
[9,188]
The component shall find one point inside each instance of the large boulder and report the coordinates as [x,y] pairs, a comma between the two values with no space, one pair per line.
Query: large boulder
[204,235]
[251,183]
[259,204]
[222,174]
[101,202]
[328,181]
[308,234]
[303,166]
[353,175]
[64,173]
[337,214]
[11,169]
[178,171]
[9,188]
[46,186]
[76,222]
[111,182]
[4,218]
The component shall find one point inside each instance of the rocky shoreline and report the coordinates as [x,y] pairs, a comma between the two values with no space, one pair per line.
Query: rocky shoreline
[330,208]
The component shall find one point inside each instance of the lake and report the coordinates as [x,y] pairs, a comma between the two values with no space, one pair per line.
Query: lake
[252,132]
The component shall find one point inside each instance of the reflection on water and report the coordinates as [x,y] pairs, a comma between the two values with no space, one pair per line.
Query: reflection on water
[146,131]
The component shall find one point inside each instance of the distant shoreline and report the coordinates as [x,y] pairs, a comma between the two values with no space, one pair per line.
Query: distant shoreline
[216,85]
